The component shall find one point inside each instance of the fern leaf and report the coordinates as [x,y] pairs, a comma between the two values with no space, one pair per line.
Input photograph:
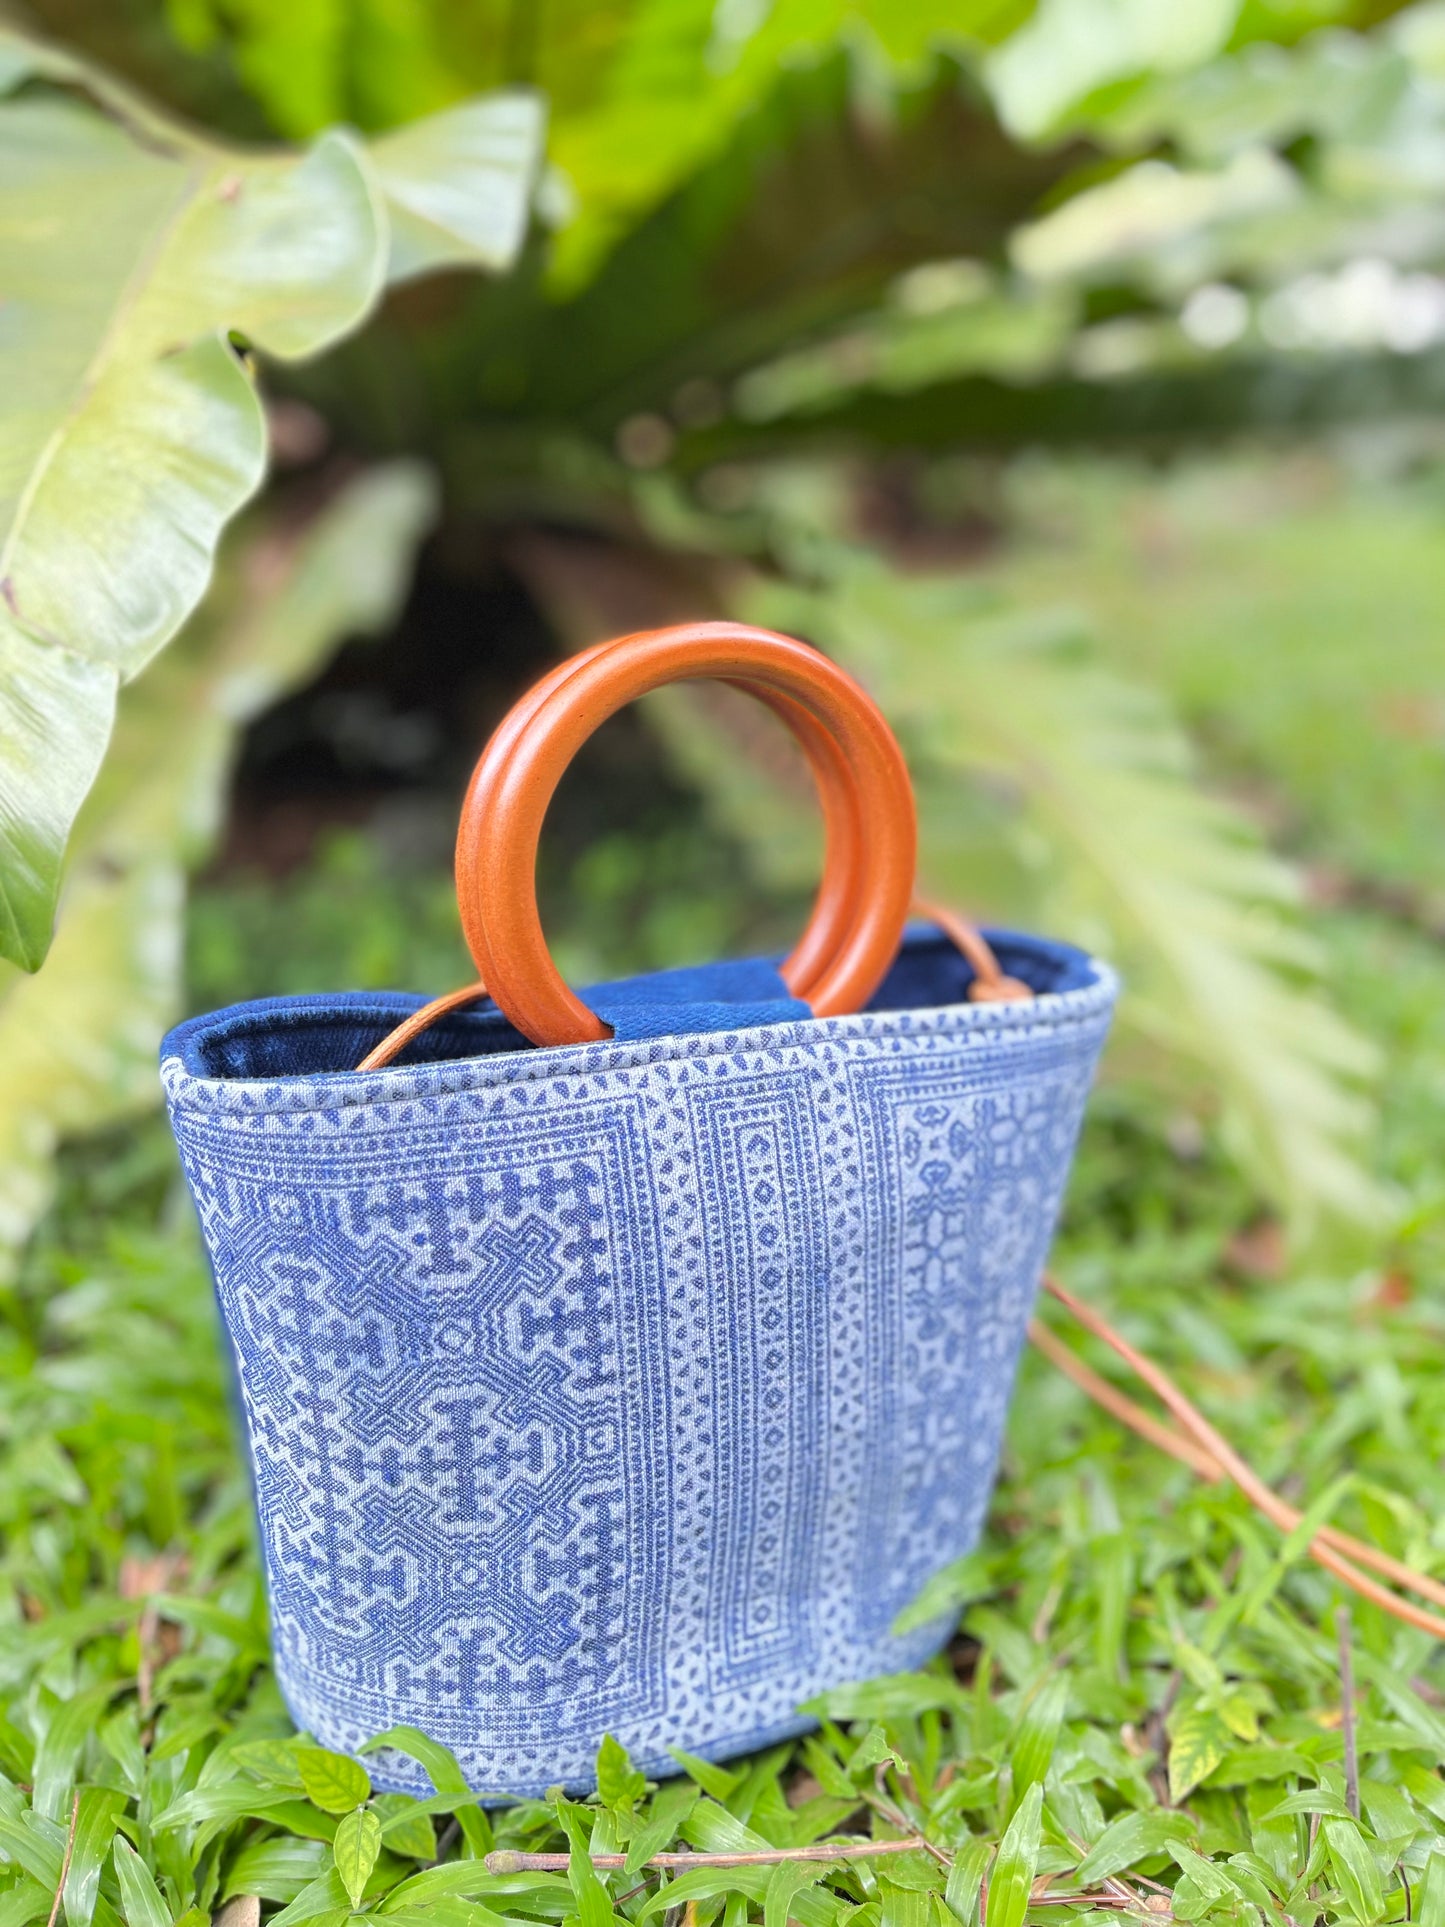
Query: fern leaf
[1135,858]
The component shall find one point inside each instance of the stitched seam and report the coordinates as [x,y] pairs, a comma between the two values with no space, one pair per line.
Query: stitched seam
[1072,1009]
[646,1051]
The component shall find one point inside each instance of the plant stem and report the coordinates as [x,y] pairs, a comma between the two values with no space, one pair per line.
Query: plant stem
[1347,1711]
[505,1860]
[65,1863]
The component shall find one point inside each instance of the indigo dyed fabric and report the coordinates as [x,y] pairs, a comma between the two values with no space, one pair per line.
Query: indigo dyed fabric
[631,1387]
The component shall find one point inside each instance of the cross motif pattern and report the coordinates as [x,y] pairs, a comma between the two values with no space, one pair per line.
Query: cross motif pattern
[441,1462]
[630,1388]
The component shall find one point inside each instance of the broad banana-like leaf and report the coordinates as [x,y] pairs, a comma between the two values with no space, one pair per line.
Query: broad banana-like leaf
[1141,860]
[764,248]
[141,259]
[685,75]
[78,1041]
[1070,49]
[456,184]
[644,91]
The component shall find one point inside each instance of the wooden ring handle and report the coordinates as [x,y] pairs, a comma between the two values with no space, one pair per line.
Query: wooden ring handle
[858,919]
[833,779]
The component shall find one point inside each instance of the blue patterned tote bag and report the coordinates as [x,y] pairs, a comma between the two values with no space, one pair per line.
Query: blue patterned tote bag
[625,1364]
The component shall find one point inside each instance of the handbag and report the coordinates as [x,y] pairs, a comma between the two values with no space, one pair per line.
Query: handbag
[624,1363]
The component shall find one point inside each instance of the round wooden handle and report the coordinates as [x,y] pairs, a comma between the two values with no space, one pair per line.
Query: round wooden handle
[836,792]
[862,781]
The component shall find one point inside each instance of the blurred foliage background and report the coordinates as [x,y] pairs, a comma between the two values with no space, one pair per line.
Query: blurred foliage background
[1075,372]
[1071,371]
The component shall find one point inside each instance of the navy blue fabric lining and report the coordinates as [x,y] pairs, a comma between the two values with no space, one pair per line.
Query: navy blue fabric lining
[679,1003]
[315,1035]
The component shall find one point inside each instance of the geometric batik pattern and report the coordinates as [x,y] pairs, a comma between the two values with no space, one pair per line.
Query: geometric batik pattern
[628,1388]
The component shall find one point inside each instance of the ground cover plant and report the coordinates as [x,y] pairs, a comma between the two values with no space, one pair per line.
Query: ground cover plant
[1143,1712]
[917,330]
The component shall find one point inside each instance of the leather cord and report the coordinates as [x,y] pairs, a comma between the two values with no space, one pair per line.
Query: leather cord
[396,1041]
[852,937]
[989,984]
[1206,1451]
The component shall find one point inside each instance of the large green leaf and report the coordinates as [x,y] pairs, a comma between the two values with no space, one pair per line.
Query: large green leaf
[46,695]
[1070,48]
[78,1042]
[687,73]
[456,183]
[801,225]
[644,91]
[137,253]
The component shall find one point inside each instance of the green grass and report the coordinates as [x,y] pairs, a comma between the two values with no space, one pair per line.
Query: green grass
[1135,1643]
[1144,1703]
[1291,607]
